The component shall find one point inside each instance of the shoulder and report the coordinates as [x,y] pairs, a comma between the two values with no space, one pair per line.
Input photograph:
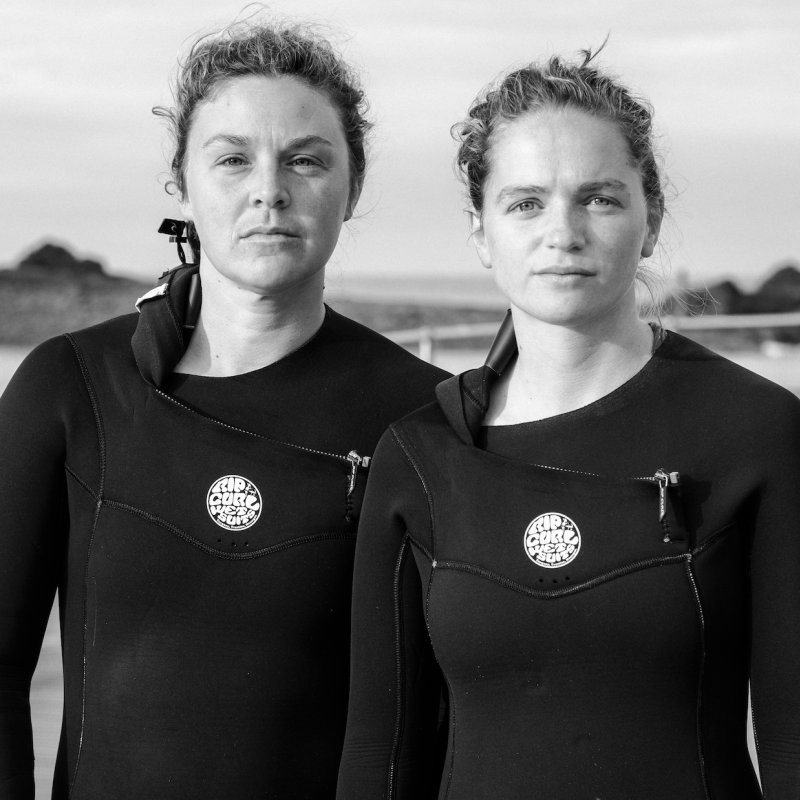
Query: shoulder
[113,334]
[704,365]
[423,434]
[105,350]
[47,381]
[387,367]
[715,387]
[59,360]
[347,330]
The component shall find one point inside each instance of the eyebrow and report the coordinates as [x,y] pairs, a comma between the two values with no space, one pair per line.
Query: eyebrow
[608,183]
[515,191]
[307,141]
[592,186]
[244,141]
[227,138]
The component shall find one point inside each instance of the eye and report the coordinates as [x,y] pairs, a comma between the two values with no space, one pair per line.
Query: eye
[525,206]
[602,201]
[305,162]
[232,161]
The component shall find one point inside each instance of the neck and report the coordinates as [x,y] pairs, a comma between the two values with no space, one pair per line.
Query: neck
[239,330]
[560,369]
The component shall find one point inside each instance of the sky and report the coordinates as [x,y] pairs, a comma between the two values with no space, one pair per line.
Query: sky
[86,162]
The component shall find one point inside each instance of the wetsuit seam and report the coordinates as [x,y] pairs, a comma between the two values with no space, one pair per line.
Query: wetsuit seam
[566,591]
[298,540]
[428,495]
[450,695]
[700,677]
[712,539]
[98,507]
[474,400]
[419,546]
[91,492]
[95,409]
[175,321]
[400,658]
[755,732]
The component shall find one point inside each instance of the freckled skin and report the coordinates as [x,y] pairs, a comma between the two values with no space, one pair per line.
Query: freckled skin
[264,178]
[550,219]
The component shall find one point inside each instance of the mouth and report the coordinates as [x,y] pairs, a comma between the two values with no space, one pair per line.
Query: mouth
[565,272]
[268,233]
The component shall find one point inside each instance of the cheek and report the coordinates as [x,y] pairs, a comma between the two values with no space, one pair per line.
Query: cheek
[623,245]
[327,209]
[509,247]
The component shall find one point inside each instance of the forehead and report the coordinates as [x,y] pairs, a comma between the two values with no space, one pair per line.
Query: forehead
[253,104]
[558,144]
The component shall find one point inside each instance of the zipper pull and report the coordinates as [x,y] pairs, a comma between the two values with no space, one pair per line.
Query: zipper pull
[665,481]
[356,461]
[662,479]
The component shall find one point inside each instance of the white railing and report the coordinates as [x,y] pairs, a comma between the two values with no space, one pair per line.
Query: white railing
[427,336]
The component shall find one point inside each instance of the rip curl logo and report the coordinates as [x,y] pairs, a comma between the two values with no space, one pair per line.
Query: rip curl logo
[552,540]
[234,503]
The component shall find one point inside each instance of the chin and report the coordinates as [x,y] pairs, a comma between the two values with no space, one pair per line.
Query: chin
[271,277]
[553,307]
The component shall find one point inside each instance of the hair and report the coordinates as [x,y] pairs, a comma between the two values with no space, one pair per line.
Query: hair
[555,84]
[271,50]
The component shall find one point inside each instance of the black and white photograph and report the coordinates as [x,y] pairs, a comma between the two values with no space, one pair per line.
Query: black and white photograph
[399,401]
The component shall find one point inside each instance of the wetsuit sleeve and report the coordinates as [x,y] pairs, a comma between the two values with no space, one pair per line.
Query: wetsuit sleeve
[32,532]
[775,591]
[395,686]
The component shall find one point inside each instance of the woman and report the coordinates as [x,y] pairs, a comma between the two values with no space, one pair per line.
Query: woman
[596,550]
[194,496]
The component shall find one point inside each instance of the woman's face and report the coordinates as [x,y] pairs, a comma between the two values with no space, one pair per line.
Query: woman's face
[267,182]
[564,220]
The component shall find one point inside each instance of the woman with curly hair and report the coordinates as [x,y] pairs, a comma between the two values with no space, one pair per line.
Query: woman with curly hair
[591,542]
[190,477]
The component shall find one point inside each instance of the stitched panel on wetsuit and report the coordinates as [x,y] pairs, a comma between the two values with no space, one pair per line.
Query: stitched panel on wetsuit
[545,529]
[546,679]
[163,618]
[585,696]
[265,502]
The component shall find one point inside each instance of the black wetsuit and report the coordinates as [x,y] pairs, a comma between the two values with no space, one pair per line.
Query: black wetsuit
[595,623]
[200,532]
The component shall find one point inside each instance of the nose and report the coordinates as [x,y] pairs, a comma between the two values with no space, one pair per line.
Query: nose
[564,229]
[269,188]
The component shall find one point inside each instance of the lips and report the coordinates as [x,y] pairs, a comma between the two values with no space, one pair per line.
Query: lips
[267,230]
[564,271]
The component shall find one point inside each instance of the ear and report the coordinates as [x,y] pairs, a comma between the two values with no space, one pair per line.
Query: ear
[654,218]
[186,207]
[352,201]
[479,238]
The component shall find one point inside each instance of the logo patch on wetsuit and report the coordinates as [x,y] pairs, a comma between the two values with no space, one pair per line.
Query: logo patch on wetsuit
[234,502]
[552,540]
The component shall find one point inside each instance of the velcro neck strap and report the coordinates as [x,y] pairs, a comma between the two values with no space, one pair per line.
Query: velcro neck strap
[160,339]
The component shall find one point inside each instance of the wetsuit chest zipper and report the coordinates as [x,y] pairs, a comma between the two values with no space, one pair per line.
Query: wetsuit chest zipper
[353,458]
[356,462]
[663,479]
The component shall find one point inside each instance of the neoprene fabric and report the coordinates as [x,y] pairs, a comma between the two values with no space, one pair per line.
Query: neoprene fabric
[589,649]
[202,660]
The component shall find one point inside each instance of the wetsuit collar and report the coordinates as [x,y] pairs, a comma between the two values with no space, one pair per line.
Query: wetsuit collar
[464,398]
[161,335]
